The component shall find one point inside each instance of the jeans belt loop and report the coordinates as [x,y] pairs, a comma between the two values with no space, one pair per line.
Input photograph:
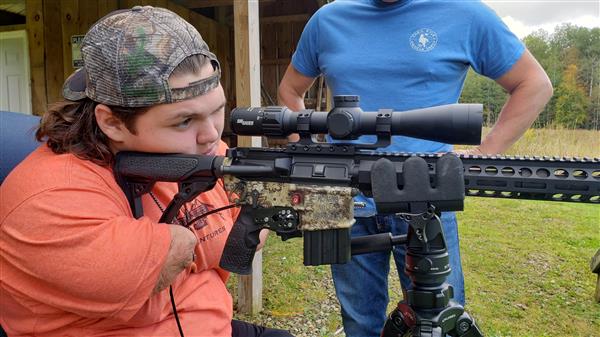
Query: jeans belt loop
[380,221]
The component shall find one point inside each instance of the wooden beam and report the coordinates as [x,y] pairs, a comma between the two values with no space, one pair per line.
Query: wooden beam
[269,62]
[193,4]
[247,78]
[53,49]
[285,18]
[285,47]
[35,36]
[69,10]
[247,54]
[322,3]
[320,93]
[88,14]
[106,6]
[13,27]
[179,10]
[282,61]
[250,288]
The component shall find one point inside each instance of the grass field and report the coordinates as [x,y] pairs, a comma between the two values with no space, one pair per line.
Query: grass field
[557,142]
[526,263]
[526,266]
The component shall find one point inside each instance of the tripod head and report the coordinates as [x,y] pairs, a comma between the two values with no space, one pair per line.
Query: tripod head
[428,309]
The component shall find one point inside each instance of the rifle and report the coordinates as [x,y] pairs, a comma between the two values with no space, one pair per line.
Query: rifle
[298,192]
[307,188]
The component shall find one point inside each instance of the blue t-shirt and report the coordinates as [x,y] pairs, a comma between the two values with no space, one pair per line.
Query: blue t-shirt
[404,55]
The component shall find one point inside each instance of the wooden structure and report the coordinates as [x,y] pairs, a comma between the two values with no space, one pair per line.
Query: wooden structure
[51,24]
[253,39]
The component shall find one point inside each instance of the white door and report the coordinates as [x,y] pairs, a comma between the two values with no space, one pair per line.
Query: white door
[15,92]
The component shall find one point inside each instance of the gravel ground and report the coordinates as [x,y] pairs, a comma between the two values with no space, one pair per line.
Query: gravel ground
[319,319]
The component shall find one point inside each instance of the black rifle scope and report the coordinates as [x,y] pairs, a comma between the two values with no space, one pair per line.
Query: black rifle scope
[452,123]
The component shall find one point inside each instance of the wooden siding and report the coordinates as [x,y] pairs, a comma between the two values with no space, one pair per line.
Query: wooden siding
[51,23]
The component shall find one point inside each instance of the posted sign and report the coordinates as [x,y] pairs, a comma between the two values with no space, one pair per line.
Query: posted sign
[76,51]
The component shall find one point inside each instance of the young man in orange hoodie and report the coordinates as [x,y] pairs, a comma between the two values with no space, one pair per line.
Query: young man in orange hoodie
[74,260]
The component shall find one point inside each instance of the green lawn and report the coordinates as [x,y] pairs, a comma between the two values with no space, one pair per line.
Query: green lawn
[526,266]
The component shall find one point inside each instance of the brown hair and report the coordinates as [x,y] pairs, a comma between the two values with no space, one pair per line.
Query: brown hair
[71,127]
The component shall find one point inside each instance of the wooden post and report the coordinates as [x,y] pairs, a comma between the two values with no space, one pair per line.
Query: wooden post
[70,26]
[329,99]
[320,93]
[247,88]
[54,51]
[37,64]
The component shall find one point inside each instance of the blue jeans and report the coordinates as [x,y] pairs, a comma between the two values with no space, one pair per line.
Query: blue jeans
[362,284]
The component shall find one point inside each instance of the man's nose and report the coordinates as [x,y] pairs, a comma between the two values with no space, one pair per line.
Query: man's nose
[207,133]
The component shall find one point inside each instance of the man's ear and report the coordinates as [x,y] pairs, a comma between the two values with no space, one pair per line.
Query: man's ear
[112,126]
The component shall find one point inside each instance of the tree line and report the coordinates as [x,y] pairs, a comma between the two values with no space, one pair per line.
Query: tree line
[571,57]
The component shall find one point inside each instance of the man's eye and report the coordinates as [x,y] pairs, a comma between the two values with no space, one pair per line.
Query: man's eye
[184,124]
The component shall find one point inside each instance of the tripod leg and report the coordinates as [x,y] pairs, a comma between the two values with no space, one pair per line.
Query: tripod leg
[400,322]
[466,327]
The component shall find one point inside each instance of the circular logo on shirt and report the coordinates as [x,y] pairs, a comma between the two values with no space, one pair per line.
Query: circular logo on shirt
[423,40]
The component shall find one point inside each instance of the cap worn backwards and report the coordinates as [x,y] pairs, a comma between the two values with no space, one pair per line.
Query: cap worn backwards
[129,55]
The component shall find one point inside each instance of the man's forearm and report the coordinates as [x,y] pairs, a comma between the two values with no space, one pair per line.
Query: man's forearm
[517,115]
[530,89]
[288,97]
[291,92]
[292,89]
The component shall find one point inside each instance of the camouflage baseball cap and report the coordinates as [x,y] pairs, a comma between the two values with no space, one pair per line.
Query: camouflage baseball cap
[129,55]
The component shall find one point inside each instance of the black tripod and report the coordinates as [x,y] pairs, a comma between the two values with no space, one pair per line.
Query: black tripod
[428,309]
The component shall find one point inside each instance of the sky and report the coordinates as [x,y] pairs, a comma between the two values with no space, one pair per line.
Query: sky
[526,16]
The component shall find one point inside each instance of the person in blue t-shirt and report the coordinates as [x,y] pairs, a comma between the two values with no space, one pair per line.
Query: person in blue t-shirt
[404,55]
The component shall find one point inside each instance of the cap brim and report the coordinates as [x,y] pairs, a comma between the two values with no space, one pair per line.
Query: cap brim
[74,87]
